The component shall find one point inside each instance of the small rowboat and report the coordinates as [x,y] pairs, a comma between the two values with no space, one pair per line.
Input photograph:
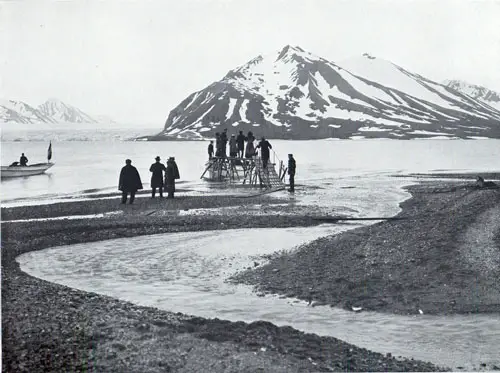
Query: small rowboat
[18,171]
[15,170]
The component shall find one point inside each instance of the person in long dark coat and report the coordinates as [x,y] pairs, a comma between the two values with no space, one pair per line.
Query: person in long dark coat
[250,150]
[157,177]
[233,147]
[218,147]
[171,174]
[240,140]
[291,172]
[223,143]
[265,146]
[130,181]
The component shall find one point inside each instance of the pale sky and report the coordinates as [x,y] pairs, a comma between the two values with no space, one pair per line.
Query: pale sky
[136,60]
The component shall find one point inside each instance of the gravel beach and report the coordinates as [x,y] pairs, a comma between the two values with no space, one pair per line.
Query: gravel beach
[51,328]
[441,257]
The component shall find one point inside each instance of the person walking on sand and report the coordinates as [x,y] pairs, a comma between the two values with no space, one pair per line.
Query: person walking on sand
[157,177]
[129,182]
[210,150]
[240,140]
[265,146]
[233,148]
[23,161]
[291,172]
[171,174]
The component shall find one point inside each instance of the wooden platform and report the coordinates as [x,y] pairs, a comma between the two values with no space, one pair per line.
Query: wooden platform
[245,171]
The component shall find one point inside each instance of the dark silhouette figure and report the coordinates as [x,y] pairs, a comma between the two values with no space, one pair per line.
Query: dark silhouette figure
[171,174]
[240,141]
[157,177]
[130,181]
[291,172]
[218,145]
[210,150]
[223,143]
[250,150]
[23,161]
[233,148]
[265,146]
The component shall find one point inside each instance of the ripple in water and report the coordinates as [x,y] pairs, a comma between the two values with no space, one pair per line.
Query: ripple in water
[186,272]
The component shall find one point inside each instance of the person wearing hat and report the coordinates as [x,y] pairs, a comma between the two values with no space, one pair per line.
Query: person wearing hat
[291,172]
[171,174]
[129,182]
[157,169]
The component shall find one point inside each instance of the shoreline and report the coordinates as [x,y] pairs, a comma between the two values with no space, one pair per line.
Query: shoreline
[67,329]
[431,259]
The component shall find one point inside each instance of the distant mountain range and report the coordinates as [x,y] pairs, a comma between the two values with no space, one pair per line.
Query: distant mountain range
[51,111]
[293,94]
[478,92]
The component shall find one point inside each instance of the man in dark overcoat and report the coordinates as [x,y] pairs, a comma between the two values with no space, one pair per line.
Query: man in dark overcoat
[157,169]
[129,182]
[265,146]
[291,172]
[240,140]
[171,174]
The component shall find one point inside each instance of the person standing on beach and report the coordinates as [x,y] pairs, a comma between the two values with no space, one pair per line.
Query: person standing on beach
[129,182]
[23,160]
[240,140]
[210,150]
[265,146]
[171,174]
[291,172]
[157,177]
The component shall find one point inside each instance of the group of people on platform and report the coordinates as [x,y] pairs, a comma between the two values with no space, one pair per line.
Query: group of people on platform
[237,146]
[237,149]
[130,180]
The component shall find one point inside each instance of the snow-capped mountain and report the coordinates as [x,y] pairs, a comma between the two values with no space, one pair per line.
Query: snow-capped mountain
[21,112]
[61,112]
[52,111]
[478,92]
[297,95]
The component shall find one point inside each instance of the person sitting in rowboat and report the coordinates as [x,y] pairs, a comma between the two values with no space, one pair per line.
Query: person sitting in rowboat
[23,161]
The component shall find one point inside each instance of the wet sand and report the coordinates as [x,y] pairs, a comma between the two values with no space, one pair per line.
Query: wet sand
[49,327]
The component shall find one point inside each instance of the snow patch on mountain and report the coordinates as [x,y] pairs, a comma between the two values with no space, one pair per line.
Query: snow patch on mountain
[294,94]
[480,93]
[51,112]
[61,112]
